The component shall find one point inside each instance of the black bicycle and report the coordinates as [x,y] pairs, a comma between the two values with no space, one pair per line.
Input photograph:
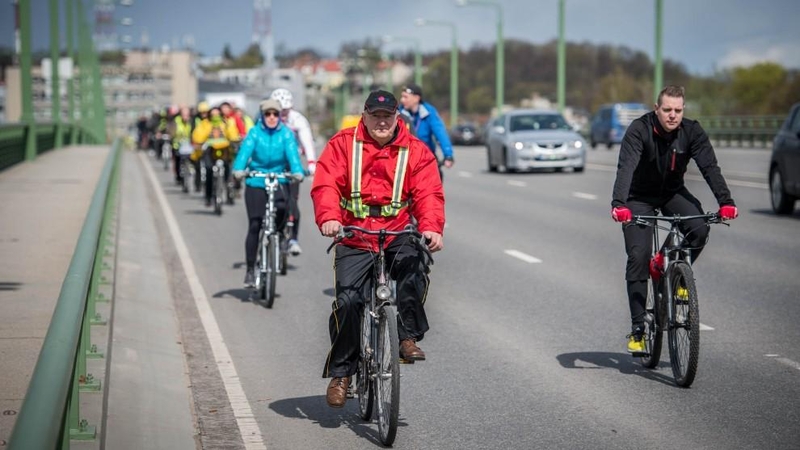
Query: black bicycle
[378,375]
[672,302]
[272,240]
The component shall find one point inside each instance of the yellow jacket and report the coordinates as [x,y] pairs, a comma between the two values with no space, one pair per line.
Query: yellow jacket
[206,128]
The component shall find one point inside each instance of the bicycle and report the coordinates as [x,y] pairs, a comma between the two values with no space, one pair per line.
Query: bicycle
[272,242]
[166,149]
[220,190]
[378,375]
[185,166]
[672,302]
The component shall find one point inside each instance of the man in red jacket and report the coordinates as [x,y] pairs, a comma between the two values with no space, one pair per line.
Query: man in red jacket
[379,141]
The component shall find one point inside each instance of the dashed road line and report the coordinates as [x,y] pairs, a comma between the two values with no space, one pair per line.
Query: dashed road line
[784,361]
[584,195]
[465,174]
[523,256]
[704,327]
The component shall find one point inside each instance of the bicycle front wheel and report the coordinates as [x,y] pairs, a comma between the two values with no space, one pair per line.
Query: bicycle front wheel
[364,388]
[653,326]
[272,270]
[684,327]
[387,380]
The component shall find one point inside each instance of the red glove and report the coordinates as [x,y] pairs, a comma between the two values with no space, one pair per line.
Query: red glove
[728,212]
[621,214]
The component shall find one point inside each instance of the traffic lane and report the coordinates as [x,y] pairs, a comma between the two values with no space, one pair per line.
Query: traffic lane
[508,220]
[769,242]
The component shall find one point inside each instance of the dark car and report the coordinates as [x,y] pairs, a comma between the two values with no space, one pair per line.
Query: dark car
[784,165]
[465,134]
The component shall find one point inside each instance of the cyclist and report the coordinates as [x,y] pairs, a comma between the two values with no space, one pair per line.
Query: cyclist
[299,124]
[269,147]
[424,122]
[181,131]
[653,157]
[215,133]
[395,180]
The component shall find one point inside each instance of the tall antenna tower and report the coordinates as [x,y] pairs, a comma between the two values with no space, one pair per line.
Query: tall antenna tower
[262,31]
[105,30]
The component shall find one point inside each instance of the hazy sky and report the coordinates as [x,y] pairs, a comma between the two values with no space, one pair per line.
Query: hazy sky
[701,34]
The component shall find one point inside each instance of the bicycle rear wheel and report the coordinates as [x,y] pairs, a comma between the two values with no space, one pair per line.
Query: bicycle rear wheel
[653,326]
[387,380]
[272,271]
[284,259]
[364,388]
[684,328]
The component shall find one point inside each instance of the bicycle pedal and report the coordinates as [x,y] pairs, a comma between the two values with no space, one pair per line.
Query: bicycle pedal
[402,360]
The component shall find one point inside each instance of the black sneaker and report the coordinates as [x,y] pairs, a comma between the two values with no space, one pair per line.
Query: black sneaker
[250,278]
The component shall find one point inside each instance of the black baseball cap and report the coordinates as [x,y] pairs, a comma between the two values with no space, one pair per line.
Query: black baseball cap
[412,88]
[380,100]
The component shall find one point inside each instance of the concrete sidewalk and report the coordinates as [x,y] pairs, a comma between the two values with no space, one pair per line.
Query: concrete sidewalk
[43,205]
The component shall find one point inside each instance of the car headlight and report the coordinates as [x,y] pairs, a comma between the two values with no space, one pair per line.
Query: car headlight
[578,144]
[519,145]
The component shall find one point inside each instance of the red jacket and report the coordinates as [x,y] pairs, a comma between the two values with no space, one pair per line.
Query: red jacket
[422,186]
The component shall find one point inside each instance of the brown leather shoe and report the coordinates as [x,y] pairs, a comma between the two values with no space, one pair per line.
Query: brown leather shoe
[410,352]
[337,392]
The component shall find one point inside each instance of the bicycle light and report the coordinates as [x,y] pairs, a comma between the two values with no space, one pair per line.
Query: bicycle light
[383,292]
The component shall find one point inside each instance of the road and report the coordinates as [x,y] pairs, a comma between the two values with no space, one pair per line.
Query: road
[529,316]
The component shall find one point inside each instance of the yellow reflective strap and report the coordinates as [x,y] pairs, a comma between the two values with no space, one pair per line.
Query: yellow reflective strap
[399,177]
[355,178]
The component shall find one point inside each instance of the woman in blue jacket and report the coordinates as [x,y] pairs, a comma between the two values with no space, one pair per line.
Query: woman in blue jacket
[270,146]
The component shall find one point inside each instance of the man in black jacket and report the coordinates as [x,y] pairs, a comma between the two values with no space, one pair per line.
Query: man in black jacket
[653,158]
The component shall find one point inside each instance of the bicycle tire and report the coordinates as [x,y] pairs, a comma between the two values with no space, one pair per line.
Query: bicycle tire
[684,329]
[284,260]
[364,386]
[654,327]
[387,380]
[272,271]
[260,274]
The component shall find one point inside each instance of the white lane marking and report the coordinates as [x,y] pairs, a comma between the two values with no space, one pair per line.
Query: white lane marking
[730,182]
[464,174]
[248,427]
[517,183]
[584,195]
[785,361]
[704,327]
[523,256]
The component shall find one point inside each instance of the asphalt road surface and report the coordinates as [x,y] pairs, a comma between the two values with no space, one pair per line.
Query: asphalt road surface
[529,316]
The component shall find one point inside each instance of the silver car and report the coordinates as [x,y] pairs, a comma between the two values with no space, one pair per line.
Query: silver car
[532,139]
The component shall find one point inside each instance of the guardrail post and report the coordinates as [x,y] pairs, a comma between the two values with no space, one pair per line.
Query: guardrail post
[25,78]
[78,429]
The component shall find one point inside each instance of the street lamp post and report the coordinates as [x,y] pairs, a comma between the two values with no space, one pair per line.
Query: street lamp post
[453,66]
[417,55]
[658,76]
[55,80]
[562,56]
[500,52]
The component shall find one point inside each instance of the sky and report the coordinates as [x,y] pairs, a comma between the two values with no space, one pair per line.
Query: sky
[703,35]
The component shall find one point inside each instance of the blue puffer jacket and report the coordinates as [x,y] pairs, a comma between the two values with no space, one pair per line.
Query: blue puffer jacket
[425,124]
[268,150]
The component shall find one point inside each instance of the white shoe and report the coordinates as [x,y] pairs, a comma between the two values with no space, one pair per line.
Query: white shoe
[294,248]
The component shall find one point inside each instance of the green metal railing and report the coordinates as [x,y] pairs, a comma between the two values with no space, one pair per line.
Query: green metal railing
[50,415]
[13,139]
[742,130]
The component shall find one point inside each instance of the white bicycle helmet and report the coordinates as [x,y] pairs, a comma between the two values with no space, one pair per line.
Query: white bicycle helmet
[284,97]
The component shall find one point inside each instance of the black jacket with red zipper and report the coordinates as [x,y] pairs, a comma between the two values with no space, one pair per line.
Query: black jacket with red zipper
[652,162]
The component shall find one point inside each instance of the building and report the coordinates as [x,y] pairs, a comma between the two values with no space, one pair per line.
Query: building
[146,81]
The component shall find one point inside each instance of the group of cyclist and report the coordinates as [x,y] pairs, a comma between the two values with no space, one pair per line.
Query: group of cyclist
[383,174]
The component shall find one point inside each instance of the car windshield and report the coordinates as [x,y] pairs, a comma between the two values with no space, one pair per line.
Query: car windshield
[532,122]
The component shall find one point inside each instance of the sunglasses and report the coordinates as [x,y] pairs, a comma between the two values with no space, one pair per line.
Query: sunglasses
[272,113]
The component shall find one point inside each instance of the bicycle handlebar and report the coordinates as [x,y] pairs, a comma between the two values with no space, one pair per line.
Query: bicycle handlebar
[278,176]
[347,232]
[709,218]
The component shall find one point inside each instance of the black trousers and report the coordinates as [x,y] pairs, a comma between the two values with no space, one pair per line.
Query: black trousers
[294,190]
[639,244]
[353,269]
[255,200]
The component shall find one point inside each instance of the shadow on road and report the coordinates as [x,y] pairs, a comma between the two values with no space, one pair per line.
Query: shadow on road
[619,361]
[9,286]
[315,409]
[243,294]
